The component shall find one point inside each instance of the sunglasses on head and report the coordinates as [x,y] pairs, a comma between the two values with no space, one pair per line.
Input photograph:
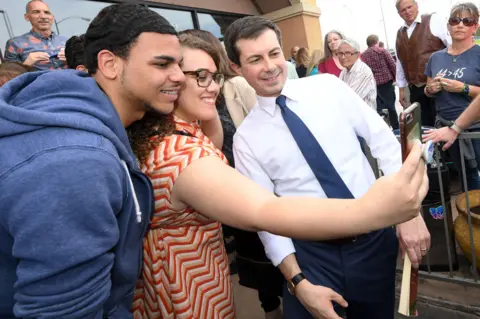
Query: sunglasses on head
[468,22]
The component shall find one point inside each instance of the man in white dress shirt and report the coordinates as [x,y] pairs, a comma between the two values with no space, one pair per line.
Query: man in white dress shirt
[357,74]
[417,40]
[362,269]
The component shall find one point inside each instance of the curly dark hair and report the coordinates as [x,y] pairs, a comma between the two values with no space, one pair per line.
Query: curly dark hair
[146,134]
[75,51]
[117,27]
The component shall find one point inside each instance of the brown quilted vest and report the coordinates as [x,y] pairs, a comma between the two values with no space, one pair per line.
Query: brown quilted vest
[415,52]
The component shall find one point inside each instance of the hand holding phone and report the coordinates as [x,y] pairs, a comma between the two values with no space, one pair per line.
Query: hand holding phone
[411,133]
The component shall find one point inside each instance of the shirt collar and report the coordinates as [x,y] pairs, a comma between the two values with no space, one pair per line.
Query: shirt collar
[269,103]
[354,67]
[192,128]
[41,37]
[418,19]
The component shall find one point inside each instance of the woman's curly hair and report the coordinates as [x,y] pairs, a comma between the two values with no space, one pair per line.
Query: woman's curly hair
[146,134]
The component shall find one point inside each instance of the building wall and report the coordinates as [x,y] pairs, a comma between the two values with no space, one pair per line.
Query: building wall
[291,35]
[233,6]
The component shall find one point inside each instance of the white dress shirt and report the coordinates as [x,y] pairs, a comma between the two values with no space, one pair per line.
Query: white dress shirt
[266,152]
[438,27]
[360,79]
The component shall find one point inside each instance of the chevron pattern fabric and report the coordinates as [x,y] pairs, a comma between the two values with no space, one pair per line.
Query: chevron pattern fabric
[185,271]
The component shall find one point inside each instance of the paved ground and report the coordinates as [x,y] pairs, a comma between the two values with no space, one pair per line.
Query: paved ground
[246,302]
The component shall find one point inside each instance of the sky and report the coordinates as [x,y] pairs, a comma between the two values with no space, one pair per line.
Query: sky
[358,19]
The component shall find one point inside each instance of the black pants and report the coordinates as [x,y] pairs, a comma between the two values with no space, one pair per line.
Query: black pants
[427,105]
[386,100]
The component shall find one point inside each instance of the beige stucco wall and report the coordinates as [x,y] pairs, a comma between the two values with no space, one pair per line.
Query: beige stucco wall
[233,6]
[292,34]
[301,31]
[300,25]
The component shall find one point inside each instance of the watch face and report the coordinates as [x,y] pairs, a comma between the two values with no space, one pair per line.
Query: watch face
[291,288]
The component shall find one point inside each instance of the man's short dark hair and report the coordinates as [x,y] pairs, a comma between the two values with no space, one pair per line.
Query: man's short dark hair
[248,28]
[372,40]
[75,51]
[117,27]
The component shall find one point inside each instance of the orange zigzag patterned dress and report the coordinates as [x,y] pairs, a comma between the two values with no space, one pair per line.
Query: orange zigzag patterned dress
[185,271]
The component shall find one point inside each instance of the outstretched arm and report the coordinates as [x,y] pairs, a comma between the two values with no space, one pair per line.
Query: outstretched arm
[223,194]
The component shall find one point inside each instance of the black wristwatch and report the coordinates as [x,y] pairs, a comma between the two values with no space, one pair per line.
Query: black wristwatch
[293,283]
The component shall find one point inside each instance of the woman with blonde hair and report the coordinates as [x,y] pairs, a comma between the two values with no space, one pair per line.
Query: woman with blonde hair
[317,55]
[185,271]
[330,63]
[301,61]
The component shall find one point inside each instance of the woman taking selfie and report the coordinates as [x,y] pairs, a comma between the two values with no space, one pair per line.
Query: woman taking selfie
[454,80]
[254,269]
[185,267]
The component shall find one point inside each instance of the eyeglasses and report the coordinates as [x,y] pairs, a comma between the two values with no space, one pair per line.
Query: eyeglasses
[205,77]
[468,22]
[345,54]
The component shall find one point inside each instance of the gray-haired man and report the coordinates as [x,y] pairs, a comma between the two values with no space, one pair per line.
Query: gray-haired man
[356,73]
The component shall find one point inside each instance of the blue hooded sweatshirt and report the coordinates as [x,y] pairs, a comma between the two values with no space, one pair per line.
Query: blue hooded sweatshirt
[73,205]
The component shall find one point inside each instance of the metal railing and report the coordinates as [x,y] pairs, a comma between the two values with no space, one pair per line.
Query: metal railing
[475,280]
[451,275]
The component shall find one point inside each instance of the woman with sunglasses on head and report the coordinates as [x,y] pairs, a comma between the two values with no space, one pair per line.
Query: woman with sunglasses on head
[185,266]
[454,80]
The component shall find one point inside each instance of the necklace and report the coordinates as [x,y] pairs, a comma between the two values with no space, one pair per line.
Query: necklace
[455,57]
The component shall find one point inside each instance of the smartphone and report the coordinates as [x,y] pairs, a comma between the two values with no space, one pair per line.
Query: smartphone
[410,132]
[410,128]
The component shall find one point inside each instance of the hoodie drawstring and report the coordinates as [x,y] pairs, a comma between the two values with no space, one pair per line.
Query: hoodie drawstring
[135,200]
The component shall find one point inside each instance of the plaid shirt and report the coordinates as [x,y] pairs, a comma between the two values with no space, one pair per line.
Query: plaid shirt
[382,64]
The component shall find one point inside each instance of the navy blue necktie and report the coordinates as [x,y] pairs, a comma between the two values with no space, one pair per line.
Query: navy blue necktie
[324,171]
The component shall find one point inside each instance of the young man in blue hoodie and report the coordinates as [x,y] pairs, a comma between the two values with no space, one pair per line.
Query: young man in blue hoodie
[73,205]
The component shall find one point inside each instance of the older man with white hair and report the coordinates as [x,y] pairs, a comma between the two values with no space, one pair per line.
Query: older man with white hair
[357,74]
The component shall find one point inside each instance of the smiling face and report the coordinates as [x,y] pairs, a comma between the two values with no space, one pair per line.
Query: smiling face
[408,10]
[262,63]
[332,40]
[39,16]
[461,31]
[151,74]
[196,102]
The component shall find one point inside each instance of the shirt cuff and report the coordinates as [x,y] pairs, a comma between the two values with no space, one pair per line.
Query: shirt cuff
[277,248]
[401,83]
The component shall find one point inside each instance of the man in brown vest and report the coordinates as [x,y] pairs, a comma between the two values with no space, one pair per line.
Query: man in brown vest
[417,39]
